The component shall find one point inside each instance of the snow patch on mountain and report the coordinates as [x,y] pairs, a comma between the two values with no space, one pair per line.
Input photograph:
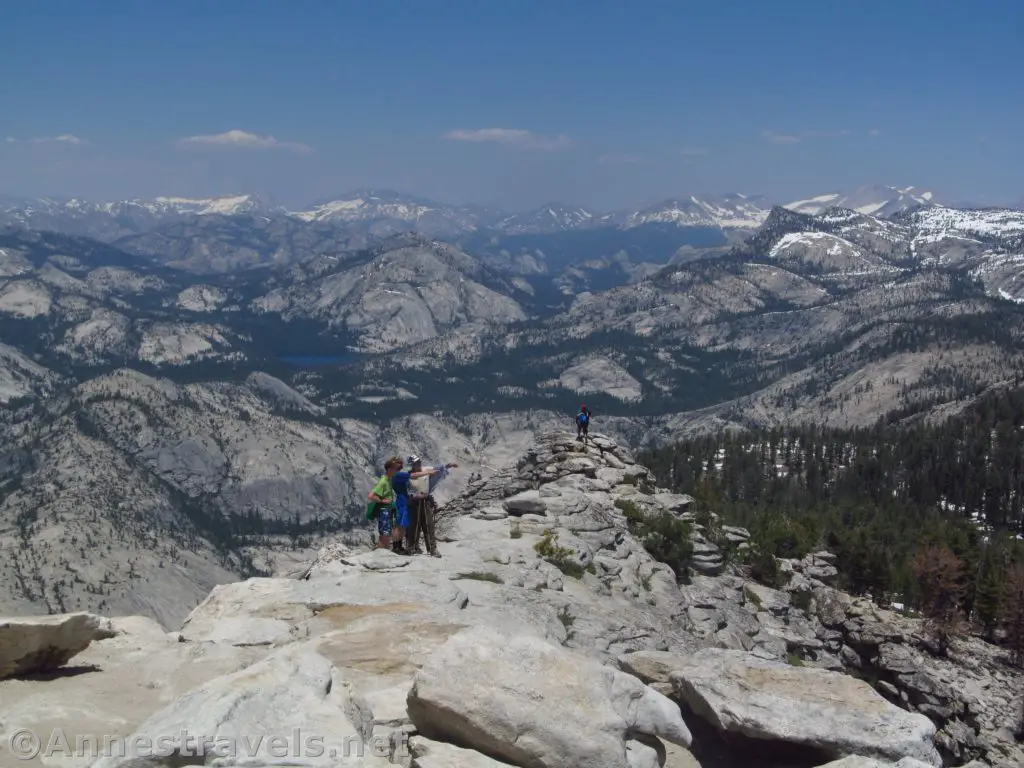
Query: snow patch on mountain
[828,253]
[940,221]
[1002,275]
[985,242]
[814,205]
[797,238]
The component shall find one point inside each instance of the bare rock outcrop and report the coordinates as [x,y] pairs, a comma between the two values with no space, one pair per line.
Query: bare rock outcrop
[543,603]
[831,712]
[536,705]
[44,643]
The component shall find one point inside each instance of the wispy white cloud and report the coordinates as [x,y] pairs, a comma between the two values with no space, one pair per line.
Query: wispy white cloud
[780,138]
[512,137]
[241,139]
[64,138]
[777,137]
[694,152]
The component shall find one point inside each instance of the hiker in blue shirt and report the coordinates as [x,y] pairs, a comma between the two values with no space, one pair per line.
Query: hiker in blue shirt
[424,508]
[582,423]
[400,483]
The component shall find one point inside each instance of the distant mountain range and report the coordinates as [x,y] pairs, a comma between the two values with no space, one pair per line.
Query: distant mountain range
[182,295]
[207,394]
[383,212]
[581,249]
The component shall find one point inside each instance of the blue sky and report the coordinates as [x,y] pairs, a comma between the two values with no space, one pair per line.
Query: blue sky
[512,104]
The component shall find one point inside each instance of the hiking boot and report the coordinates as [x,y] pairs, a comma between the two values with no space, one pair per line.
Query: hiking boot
[434,553]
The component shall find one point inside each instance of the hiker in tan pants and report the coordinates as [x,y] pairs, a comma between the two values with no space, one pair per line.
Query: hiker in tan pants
[423,508]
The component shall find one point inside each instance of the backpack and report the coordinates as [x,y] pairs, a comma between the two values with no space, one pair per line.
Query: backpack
[582,418]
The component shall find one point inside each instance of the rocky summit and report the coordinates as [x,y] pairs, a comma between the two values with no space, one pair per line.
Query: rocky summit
[556,630]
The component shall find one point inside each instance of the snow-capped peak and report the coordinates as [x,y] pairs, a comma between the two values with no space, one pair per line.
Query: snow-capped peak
[872,201]
[224,206]
[730,211]
[366,204]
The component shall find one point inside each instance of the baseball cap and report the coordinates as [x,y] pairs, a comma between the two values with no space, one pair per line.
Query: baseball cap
[414,459]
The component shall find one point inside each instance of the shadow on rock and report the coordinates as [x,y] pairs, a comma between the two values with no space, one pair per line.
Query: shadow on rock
[712,749]
[58,673]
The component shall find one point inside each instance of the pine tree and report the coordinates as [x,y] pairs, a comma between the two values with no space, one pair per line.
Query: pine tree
[1014,614]
[991,596]
[939,573]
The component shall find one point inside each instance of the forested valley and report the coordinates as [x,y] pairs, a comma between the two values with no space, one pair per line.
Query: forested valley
[929,517]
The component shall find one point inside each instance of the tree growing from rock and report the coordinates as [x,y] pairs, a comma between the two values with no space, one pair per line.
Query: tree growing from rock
[939,575]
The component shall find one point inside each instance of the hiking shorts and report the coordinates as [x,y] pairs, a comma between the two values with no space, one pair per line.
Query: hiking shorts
[402,506]
[385,520]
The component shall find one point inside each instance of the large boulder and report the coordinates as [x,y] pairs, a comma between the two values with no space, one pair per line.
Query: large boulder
[525,701]
[290,709]
[43,643]
[830,712]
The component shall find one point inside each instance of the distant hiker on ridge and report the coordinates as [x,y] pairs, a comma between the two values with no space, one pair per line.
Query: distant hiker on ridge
[582,423]
[424,508]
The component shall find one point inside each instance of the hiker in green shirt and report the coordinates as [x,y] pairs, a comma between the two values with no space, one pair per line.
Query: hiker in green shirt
[383,495]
